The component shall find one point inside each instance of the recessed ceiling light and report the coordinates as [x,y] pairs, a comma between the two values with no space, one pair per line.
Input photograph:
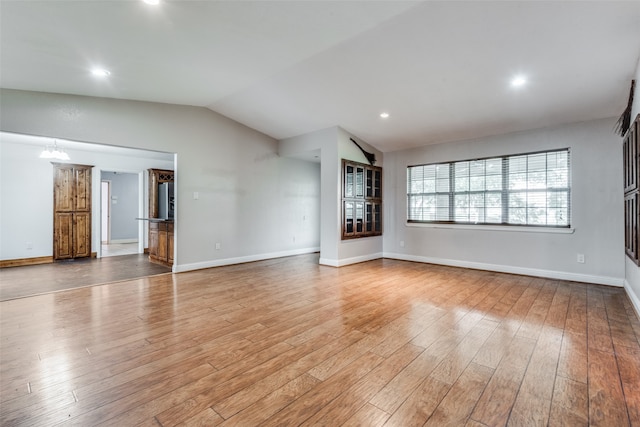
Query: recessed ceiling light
[518,81]
[100,72]
[152,2]
[384,115]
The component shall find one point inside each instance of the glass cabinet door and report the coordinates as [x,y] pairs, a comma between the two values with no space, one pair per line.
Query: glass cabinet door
[361,200]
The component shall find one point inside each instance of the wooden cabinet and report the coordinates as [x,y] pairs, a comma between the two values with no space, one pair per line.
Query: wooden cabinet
[631,175]
[156,177]
[161,242]
[71,211]
[361,200]
[160,232]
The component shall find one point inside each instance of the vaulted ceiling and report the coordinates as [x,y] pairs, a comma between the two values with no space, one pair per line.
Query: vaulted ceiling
[442,70]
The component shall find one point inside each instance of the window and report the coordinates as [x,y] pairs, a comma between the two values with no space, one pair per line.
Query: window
[361,200]
[526,189]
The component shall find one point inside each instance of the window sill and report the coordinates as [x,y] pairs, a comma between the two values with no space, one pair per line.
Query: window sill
[516,228]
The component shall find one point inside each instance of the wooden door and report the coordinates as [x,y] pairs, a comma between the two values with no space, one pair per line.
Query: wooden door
[63,235]
[71,211]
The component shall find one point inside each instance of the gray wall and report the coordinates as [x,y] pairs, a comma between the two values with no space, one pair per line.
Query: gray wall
[251,201]
[124,205]
[597,218]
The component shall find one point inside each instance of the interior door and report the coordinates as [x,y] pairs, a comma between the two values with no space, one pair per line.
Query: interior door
[71,211]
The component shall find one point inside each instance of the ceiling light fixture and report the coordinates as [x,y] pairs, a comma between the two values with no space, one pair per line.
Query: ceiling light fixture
[518,81]
[152,2]
[53,152]
[384,115]
[100,72]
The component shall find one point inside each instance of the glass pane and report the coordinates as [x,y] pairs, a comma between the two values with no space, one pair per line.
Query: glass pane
[476,168]
[558,178]
[517,181]
[494,182]
[558,216]
[461,172]
[359,217]
[442,185]
[476,207]
[461,211]
[536,216]
[517,200]
[517,216]
[517,164]
[442,171]
[442,207]
[462,184]
[417,187]
[476,183]
[537,200]
[537,180]
[359,182]
[493,215]
[557,199]
[493,166]
[537,162]
[369,192]
[494,200]
[348,178]
[348,215]
[558,159]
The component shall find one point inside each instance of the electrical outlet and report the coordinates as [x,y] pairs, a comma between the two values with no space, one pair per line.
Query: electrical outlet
[580,258]
[196,196]
[217,246]
[29,245]
[402,243]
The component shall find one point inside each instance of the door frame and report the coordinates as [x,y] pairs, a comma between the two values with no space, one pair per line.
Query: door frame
[142,232]
[105,209]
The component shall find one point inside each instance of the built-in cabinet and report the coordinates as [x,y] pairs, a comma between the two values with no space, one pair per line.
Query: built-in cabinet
[631,174]
[71,211]
[160,230]
[361,200]
[161,241]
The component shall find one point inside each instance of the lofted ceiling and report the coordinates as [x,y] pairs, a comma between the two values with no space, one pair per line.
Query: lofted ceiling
[441,69]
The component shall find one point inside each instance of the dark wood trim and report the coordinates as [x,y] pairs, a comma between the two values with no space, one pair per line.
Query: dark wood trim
[20,262]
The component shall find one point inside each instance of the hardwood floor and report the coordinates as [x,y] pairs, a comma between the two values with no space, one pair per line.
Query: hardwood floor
[288,342]
[20,282]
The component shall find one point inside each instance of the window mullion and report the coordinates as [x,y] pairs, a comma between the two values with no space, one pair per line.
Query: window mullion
[505,190]
[452,186]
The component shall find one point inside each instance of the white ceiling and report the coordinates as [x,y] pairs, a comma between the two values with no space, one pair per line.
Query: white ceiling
[285,68]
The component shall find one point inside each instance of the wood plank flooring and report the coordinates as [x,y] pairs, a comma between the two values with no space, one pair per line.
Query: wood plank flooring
[287,342]
[20,282]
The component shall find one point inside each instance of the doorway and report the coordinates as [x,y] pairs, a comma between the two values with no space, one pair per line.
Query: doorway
[118,212]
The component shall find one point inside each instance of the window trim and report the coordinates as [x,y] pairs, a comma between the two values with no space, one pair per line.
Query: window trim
[504,191]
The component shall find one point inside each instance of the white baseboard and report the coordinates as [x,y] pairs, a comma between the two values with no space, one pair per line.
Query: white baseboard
[633,297]
[348,261]
[551,274]
[240,260]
